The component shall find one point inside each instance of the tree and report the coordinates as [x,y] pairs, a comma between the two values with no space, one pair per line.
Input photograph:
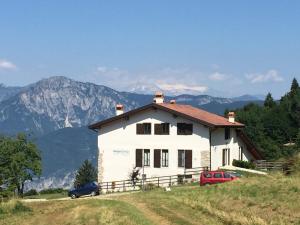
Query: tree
[294,86]
[20,161]
[269,101]
[86,173]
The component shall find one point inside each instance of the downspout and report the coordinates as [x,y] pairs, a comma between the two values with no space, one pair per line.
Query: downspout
[209,148]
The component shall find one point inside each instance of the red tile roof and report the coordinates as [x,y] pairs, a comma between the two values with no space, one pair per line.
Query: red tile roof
[185,111]
[201,115]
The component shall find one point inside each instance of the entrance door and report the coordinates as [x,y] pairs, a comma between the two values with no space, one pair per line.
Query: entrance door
[226,157]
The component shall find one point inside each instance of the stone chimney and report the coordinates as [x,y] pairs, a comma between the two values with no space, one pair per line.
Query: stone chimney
[231,117]
[119,109]
[173,101]
[159,97]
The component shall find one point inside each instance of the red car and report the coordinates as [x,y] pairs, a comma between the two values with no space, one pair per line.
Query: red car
[214,177]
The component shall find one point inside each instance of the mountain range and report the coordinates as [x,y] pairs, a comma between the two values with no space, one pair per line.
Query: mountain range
[56,112]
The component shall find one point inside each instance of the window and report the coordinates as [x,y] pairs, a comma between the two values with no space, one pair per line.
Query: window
[162,129]
[142,157]
[227,133]
[165,158]
[207,175]
[184,128]
[241,152]
[146,157]
[218,175]
[226,157]
[181,158]
[185,158]
[143,128]
[227,175]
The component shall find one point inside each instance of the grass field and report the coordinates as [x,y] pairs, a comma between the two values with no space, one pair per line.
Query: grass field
[255,200]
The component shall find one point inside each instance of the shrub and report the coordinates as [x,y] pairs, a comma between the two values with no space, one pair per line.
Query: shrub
[243,164]
[149,186]
[31,192]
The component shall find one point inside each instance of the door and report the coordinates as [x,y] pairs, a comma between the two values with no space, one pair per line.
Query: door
[218,178]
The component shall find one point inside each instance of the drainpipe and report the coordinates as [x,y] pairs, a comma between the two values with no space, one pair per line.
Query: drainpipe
[209,148]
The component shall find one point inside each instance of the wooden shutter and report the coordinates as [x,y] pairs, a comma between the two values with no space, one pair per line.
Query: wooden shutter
[138,157]
[188,159]
[139,128]
[157,128]
[157,158]
[224,157]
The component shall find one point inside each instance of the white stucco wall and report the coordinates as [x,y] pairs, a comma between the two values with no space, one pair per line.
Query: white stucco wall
[118,141]
[218,143]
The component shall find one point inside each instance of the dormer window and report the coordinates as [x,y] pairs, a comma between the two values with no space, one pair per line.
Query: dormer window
[143,128]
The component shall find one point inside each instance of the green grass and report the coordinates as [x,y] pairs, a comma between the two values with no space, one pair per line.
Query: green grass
[261,200]
[47,196]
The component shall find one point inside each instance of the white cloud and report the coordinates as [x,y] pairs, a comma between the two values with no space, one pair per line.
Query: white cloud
[218,76]
[7,65]
[269,76]
[183,87]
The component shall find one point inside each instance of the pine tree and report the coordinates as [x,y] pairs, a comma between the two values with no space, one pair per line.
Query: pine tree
[86,173]
[269,101]
[294,87]
[295,84]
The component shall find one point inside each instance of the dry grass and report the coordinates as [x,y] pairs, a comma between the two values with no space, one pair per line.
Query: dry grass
[255,200]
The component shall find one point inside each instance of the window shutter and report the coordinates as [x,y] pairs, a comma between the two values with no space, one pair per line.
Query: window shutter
[157,128]
[139,128]
[188,159]
[157,158]
[138,157]
[223,157]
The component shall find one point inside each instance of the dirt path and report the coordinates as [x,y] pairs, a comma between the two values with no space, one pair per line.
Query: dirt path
[146,211]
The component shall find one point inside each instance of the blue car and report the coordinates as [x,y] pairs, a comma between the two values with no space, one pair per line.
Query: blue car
[87,189]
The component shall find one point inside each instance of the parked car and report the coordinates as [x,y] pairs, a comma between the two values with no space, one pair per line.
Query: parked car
[87,189]
[214,177]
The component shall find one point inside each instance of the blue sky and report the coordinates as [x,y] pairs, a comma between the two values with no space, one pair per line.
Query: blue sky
[222,47]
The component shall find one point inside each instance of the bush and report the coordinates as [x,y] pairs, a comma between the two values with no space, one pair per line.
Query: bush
[149,186]
[31,192]
[52,191]
[243,164]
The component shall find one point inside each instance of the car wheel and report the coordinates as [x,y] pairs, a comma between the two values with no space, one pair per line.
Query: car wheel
[73,196]
[93,193]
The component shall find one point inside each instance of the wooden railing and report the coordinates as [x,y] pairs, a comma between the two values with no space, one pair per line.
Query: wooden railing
[189,175]
[269,165]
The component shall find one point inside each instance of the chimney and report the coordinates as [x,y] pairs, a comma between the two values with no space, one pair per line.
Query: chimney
[231,117]
[173,101]
[159,97]
[119,109]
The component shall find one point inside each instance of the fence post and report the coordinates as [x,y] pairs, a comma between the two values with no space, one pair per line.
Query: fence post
[124,185]
[106,186]
[170,182]
[158,181]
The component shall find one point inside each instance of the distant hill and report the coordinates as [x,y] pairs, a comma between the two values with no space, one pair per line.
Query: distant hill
[7,92]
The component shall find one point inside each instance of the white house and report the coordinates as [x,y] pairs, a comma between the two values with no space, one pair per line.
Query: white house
[165,138]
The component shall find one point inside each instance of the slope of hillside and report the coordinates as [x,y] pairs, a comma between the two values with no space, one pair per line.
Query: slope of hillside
[272,199]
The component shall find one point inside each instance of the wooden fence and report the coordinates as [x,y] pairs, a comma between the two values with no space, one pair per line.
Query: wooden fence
[189,175]
[269,165]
